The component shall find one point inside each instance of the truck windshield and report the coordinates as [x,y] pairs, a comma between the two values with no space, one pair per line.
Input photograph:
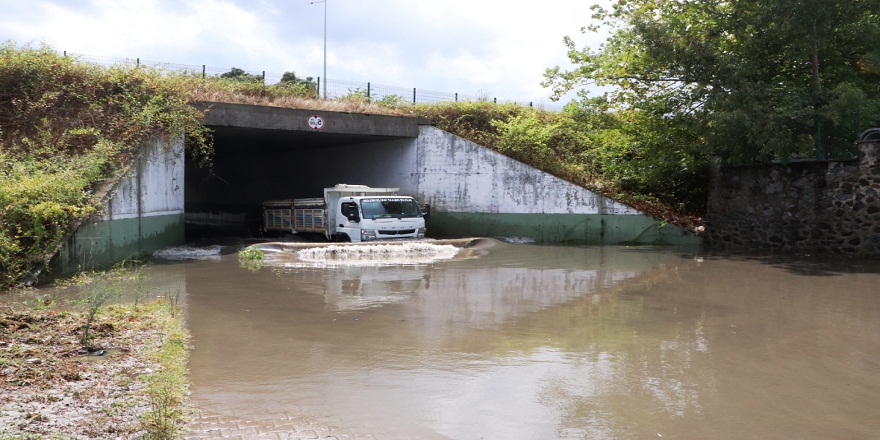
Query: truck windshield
[390,208]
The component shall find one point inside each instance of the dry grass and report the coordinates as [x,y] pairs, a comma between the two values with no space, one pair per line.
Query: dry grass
[206,92]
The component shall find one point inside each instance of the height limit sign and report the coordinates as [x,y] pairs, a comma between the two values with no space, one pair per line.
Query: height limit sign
[316,122]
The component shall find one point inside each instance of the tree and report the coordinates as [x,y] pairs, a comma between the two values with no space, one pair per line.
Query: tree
[744,79]
[304,87]
[239,74]
[290,77]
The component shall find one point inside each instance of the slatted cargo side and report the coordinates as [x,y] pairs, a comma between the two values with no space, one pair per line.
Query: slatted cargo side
[309,215]
[277,215]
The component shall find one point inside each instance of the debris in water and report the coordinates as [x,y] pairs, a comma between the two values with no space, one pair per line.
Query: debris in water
[189,253]
[377,254]
[516,240]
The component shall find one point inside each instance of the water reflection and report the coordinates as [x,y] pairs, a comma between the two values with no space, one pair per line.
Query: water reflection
[452,349]
[539,342]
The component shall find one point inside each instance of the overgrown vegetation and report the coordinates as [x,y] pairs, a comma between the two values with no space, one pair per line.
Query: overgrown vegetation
[68,127]
[748,81]
[240,85]
[292,92]
[168,386]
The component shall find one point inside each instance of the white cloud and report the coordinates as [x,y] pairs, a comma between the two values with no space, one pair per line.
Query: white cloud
[465,46]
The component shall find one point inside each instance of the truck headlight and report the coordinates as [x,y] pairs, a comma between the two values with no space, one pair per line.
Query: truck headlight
[368,234]
[420,233]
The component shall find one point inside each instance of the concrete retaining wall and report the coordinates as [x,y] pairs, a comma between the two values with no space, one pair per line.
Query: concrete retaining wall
[142,213]
[476,191]
[802,207]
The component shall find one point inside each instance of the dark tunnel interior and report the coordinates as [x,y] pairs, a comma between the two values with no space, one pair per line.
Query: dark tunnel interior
[253,165]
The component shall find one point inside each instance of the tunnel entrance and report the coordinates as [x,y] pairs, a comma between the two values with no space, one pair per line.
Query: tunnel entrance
[277,155]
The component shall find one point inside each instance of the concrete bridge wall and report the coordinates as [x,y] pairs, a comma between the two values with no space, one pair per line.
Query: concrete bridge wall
[142,212]
[266,153]
[474,191]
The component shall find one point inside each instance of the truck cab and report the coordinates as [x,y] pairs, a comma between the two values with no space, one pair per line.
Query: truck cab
[353,213]
[366,218]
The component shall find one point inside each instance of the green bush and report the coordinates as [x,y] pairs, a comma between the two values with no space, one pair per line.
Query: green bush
[471,120]
[250,258]
[241,88]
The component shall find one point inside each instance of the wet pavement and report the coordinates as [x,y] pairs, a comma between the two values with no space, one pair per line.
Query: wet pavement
[266,426]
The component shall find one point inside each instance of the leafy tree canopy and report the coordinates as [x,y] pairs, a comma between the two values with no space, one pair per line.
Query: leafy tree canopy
[748,80]
[290,77]
[239,74]
[289,80]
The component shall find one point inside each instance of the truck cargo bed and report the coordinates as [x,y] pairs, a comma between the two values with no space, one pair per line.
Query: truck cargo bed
[308,220]
[294,215]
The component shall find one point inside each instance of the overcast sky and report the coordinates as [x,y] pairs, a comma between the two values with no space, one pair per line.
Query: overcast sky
[483,48]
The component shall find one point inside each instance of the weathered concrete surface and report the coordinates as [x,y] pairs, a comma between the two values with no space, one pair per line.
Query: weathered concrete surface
[269,153]
[461,176]
[477,192]
[142,212]
[288,119]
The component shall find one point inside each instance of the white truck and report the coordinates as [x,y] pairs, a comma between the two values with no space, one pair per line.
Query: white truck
[353,213]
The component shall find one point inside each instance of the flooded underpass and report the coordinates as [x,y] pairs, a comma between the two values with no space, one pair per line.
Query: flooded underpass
[523,341]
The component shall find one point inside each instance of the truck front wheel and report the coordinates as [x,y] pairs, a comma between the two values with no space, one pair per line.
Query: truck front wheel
[341,238]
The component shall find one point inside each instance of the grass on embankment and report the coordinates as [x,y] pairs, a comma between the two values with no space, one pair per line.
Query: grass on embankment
[167,388]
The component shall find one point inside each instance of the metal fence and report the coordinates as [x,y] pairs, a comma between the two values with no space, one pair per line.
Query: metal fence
[334,88]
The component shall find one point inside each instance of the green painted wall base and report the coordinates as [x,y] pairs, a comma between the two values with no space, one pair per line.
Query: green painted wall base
[561,228]
[98,245]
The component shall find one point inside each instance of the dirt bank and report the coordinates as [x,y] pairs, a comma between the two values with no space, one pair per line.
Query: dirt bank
[52,385]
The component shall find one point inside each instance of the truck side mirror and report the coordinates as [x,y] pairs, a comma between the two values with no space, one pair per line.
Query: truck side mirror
[427,213]
[353,217]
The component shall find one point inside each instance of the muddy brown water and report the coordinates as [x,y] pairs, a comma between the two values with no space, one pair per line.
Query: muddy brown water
[520,341]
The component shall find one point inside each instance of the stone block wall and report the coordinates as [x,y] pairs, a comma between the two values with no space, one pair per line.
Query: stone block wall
[800,207]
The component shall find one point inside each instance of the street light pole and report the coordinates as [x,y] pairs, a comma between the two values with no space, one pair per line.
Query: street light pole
[325,43]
